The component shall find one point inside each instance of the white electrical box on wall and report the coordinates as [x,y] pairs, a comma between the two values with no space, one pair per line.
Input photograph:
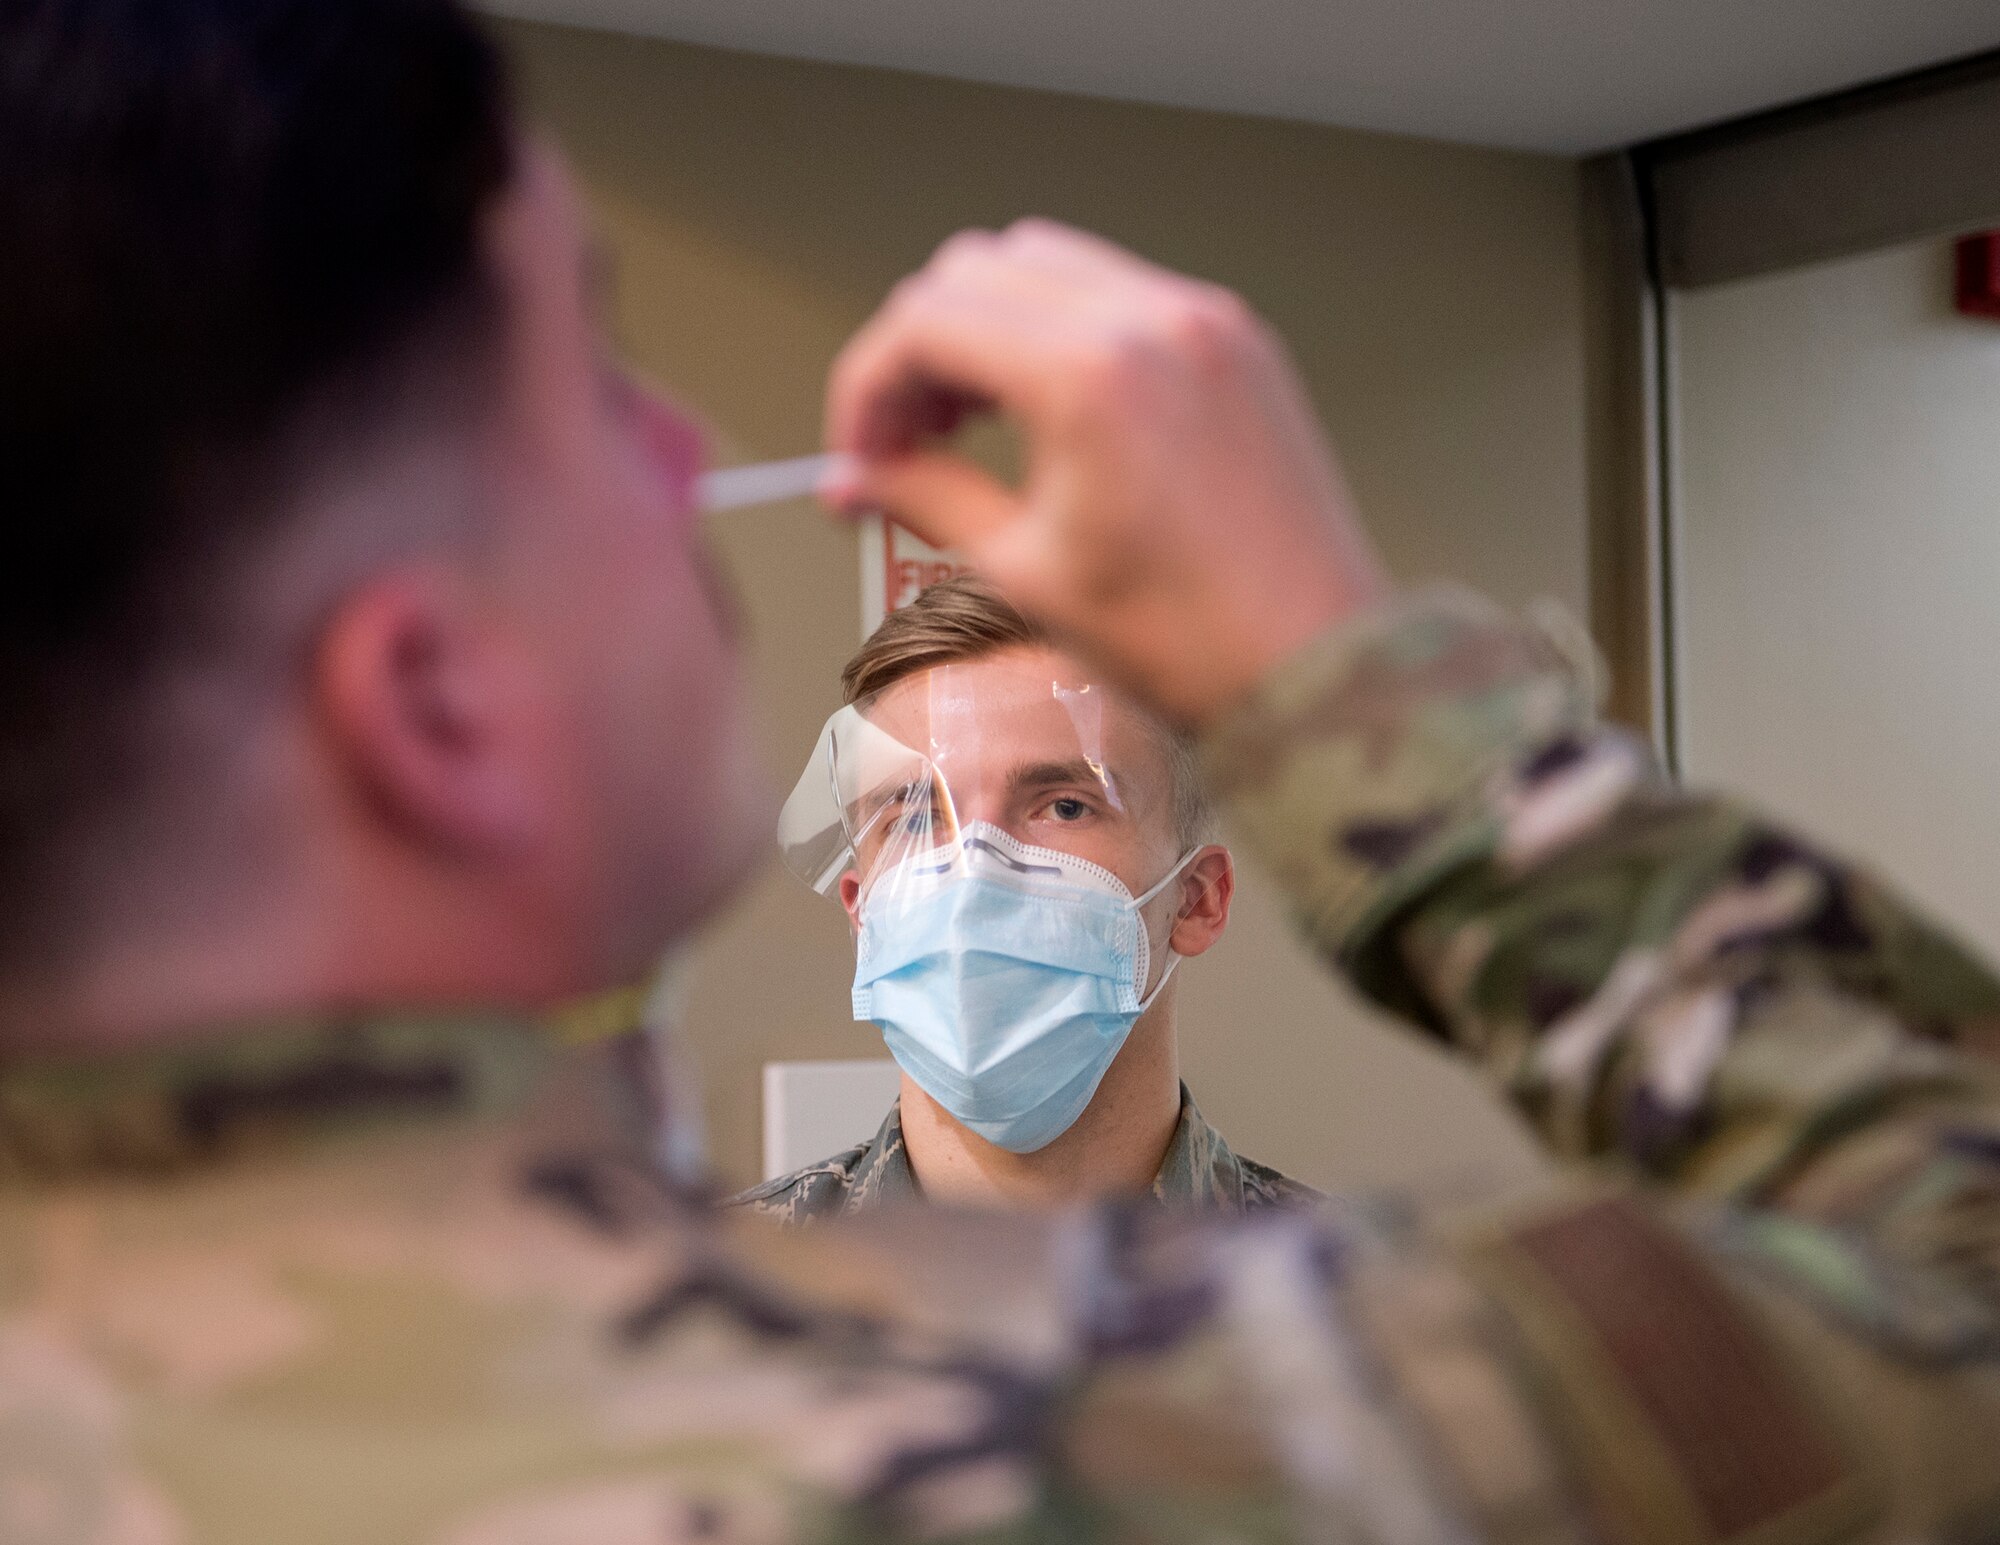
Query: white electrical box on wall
[813,1110]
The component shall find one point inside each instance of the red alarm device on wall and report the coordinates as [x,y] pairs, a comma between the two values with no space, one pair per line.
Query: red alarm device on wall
[1979,275]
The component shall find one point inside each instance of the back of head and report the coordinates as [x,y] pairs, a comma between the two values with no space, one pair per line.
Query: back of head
[237,237]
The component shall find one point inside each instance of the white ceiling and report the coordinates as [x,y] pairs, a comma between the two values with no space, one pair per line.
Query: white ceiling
[1555,75]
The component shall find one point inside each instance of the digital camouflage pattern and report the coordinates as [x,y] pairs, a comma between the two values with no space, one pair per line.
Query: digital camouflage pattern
[1200,1171]
[419,1281]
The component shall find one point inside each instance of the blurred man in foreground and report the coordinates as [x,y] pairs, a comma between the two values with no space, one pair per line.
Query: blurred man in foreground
[1026,857]
[365,693]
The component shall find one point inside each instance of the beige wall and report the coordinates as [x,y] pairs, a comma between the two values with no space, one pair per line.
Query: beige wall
[758,208]
[1839,456]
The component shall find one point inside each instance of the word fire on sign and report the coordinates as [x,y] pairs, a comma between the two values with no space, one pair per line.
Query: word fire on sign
[895,565]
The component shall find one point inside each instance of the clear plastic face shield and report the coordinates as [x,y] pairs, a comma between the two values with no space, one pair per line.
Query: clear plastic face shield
[997,830]
[972,763]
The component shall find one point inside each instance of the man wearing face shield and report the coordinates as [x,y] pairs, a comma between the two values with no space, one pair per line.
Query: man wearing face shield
[1025,857]
[365,697]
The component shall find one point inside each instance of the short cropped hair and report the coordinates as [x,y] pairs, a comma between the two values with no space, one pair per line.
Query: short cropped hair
[238,242]
[965,618]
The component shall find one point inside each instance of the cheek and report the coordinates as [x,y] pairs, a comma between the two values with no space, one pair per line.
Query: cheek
[659,586]
[645,464]
[645,663]
[1099,847]
[1140,862]
[670,661]
[677,452]
[648,609]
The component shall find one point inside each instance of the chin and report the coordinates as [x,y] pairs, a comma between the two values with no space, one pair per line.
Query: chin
[707,863]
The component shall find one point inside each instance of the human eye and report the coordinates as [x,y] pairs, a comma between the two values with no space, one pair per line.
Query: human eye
[914,811]
[1069,809]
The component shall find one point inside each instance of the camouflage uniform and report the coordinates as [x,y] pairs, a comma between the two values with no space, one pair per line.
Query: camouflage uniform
[403,1281]
[1200,1170]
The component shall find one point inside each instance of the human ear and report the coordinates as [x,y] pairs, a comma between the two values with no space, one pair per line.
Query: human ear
[1204,892]
[430,718]
[850,899]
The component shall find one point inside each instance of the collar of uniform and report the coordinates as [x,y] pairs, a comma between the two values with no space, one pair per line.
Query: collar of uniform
[207,1098]
[882,1173]
[1200,1169]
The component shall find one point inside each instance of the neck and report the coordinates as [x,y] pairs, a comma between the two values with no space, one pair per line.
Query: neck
[1115,1148]
[155,988]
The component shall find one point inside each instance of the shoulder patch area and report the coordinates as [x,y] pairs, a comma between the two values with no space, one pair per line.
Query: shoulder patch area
[1925,1317]
[1686,1424]
[1267,1187]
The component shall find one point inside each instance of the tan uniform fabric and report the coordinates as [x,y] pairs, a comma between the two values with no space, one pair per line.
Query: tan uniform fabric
[415,1280]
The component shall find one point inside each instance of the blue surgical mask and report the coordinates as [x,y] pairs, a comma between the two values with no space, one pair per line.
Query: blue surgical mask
[1004,979]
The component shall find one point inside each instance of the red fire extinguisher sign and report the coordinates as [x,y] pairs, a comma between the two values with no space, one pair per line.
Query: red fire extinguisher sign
[1979,275]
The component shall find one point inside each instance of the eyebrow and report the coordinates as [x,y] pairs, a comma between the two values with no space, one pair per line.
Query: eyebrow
[869,807]
[1075,770]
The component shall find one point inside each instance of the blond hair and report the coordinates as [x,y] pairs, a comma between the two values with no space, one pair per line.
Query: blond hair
[965,618]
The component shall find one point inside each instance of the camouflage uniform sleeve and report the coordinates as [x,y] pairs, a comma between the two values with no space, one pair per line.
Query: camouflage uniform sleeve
[1663,983]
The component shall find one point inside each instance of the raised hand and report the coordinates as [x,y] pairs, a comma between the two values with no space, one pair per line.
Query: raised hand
[1180,519]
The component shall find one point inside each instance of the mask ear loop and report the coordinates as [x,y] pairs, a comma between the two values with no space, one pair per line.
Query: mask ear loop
[1138,908]
[1166,976]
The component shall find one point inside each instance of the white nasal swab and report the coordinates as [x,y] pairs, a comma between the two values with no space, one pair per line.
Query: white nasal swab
[766,482]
